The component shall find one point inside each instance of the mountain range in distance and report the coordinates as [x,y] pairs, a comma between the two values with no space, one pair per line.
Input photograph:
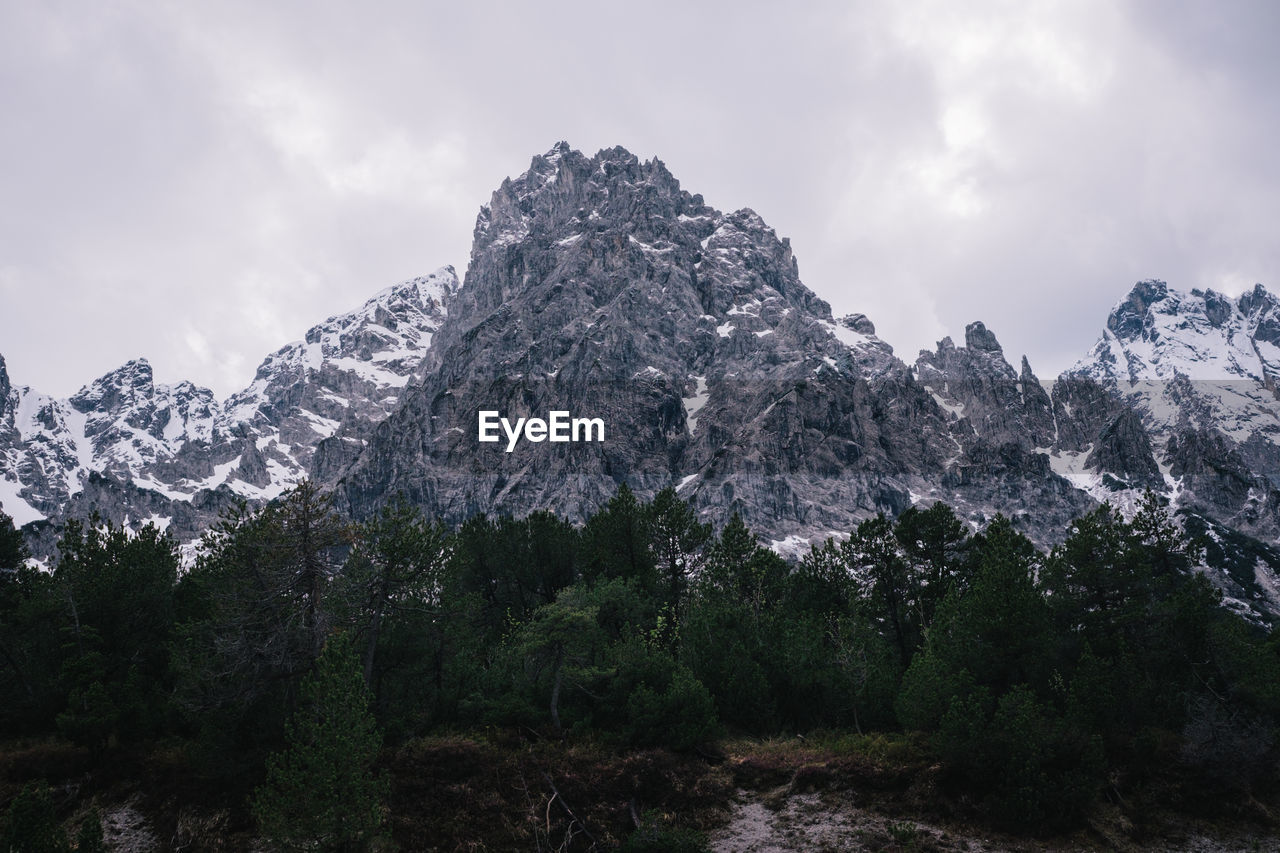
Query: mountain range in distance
[598,287]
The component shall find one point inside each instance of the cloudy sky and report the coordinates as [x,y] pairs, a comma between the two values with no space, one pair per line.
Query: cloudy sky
[199,183]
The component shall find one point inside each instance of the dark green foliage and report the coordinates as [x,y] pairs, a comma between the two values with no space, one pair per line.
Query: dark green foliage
[31,825]
[1247,664]
[994,636]
[257,607]
[1031,677]
[728,654]
[32,611]
[499,572]
[1037,773]
[656,835]
[999,629]
[728,637]
[739,570]
[652,700]
[929,688]
[676,540]
[1137,620]
[823,583]
[397,565]
[842,669]
[892,590]
[592,659]
[561,648]
[1091,579]
[1031,692]
[904,570]
[321,792]
[512,566]
[615,543]
[13,551]
[117,590]
[862,673]
[120,584]
[679,714]
[623,611]
[934,543]
[92,714]
[89,839]
[1231,746]
[390,594]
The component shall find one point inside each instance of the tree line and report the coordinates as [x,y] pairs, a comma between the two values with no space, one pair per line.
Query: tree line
[300,642]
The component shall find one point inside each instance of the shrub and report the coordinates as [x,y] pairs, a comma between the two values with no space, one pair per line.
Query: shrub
[681,716]
[31,826]
[657,835]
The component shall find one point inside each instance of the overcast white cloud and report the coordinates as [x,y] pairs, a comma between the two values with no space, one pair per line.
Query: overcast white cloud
[199,183]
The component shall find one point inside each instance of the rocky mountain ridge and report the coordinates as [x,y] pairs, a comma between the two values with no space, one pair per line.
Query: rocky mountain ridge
[136,450]
[598,286]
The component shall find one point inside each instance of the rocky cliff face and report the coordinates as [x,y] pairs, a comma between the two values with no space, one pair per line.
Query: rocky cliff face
[992,400]
[599,287]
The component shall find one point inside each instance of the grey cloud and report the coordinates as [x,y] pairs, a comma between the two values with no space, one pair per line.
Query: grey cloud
[200,183]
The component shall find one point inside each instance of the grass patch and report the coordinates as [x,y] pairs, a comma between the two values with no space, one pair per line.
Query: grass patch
[458,792]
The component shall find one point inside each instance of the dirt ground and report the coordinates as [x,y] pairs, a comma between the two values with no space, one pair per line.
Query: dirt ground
[777,822]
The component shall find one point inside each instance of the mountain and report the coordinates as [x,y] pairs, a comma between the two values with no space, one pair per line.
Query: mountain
[135,450]
[599,288]
[1193,374]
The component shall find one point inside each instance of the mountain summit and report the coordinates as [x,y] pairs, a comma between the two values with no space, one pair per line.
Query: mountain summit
[599,289]
[1200,371]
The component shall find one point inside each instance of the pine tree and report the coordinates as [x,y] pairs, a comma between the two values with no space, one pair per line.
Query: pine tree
[117,591]
[253,615]
[676,541]
[934,543]
[397,564]
[890,585]
[614,544]
[563,638]
[321,792]
[27,603]
[739,568]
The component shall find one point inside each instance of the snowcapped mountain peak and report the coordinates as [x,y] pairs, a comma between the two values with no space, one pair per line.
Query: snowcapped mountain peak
[550,160]
[396,323]
[978,387]
[597,285]
[1257,301]
[1157,333]
[1127,318]
[126,385]
[376,347]
[1200,369]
